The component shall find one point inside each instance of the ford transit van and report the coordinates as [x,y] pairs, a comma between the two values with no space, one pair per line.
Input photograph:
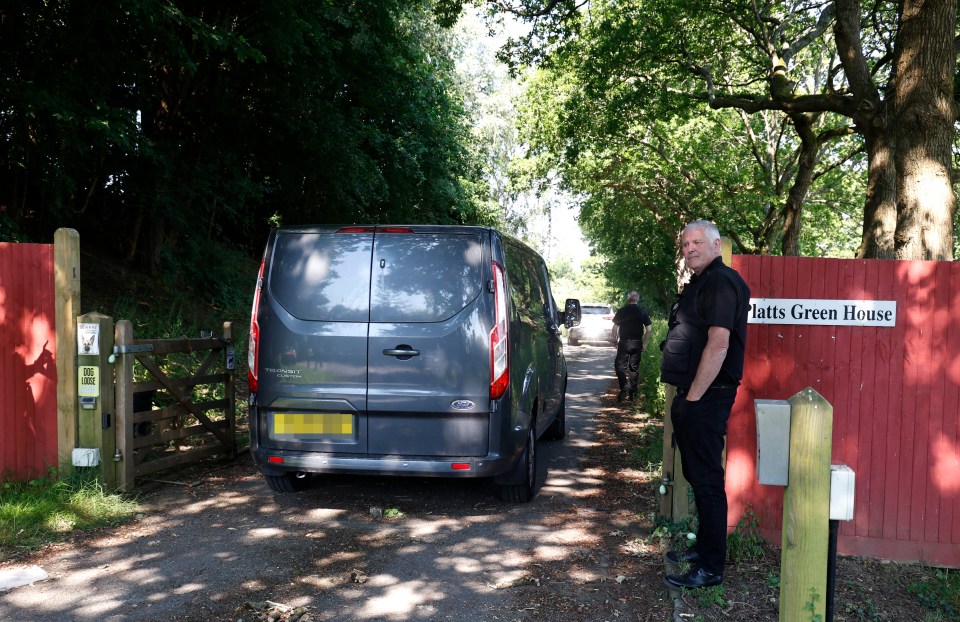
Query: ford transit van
[404,350]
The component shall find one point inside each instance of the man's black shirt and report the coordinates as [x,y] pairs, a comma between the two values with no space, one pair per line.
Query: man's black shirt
[632,321]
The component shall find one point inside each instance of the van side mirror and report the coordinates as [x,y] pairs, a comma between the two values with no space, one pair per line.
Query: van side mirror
[570,316]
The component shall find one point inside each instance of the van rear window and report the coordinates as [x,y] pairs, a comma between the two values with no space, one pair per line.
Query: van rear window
[323,276]
[420,277]
[424,277]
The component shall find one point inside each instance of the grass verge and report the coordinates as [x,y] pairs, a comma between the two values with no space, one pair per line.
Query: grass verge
[43,511]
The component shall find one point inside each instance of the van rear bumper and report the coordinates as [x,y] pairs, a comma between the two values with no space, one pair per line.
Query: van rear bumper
[423,466]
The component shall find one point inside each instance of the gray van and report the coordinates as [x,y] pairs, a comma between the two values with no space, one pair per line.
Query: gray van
[404,350]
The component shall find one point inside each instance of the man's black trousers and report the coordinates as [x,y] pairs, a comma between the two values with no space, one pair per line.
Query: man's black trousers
[699,429]
[627,363]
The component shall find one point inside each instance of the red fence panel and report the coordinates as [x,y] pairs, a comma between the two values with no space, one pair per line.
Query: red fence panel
[28,374]
[895,392]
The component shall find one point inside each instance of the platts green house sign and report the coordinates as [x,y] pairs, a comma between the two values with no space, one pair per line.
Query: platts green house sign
[823,312]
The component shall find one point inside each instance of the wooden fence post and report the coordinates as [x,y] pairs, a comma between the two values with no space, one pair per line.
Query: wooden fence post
[675,502]
[806,509]
[230,385]
[96,421]
[123,366]
[66,259]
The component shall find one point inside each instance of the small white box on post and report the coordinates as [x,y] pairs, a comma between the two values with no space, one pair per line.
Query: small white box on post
[842,479]
[86,456]
[773,441]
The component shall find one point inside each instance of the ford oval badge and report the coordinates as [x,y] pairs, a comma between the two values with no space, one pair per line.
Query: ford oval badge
[462,404]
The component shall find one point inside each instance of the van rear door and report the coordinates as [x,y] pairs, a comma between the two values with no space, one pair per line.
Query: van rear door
[428,383]
[313,354]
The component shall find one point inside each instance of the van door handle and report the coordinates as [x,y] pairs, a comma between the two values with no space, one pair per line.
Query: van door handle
[402,353]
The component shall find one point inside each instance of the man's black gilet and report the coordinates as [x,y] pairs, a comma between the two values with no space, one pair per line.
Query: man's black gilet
[687,336]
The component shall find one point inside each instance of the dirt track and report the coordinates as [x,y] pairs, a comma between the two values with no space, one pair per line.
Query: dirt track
[204,552]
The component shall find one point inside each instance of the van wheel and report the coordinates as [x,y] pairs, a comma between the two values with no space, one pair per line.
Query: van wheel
[287,482]
[558,429]
[523,477]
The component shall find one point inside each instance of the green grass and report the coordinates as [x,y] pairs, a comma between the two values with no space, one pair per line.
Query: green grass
[744,542]
[42,511]
[940,592]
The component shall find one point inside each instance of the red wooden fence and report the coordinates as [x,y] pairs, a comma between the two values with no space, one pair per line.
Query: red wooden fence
[28,374]
[895,392]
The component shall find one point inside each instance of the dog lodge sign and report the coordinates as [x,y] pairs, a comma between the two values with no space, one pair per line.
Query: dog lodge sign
[823,312]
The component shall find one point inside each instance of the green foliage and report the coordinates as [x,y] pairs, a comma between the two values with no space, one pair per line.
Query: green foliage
[941,592]
[648,452]
[653,391]
[744,542]
[621,116]
[863,613]
[156,127]
[45,510]
[668,528]
[588,284]
[811,606]
[712,596]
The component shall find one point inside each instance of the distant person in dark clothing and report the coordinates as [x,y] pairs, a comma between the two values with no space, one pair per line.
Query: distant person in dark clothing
[703,358]
[633,326]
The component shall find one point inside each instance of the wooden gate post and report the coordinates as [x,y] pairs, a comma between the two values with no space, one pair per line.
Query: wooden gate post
[230,387]
[806,509]
[66,260]
[123,366]
[95,416]
[675,500]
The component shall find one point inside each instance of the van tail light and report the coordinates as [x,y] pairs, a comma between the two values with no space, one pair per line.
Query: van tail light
[499,348]
[253,348]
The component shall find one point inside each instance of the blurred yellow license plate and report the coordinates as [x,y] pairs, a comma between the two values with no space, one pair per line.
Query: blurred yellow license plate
[329,424]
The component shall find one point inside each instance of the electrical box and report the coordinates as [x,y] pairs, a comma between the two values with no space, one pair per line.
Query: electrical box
[773,441]
[842,480]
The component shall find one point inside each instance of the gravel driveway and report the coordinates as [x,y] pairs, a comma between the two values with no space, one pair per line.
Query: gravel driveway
[442,550]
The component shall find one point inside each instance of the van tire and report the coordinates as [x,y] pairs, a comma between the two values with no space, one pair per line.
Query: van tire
[523,477]
[558,429]
[285,483]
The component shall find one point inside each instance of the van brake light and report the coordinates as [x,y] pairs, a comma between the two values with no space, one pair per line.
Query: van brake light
[499,347]
[253,348]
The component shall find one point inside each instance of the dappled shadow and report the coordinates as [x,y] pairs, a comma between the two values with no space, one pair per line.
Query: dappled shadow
[28,374]
[443,550]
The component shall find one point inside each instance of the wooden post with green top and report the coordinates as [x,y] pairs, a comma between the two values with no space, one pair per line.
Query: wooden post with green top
[96,418]
[806,509]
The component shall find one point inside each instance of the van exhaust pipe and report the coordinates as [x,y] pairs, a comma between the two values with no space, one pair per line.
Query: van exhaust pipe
[300,475]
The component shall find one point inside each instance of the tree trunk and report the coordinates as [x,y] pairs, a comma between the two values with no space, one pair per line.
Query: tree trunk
[870,119]
[924,110]
[806,162]
[880,207]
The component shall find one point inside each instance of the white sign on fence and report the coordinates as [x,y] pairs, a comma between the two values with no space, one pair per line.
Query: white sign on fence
[88,338]
[823,312]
